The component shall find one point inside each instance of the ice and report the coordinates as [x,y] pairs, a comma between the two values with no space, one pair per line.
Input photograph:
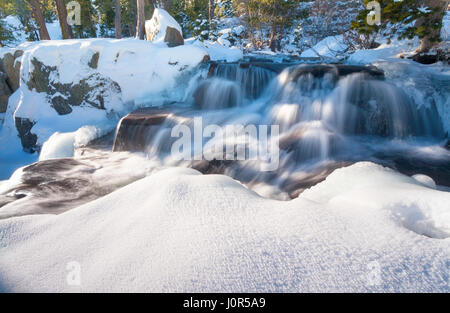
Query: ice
[366,228]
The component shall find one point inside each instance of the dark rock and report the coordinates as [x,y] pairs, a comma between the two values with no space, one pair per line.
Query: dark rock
[28,139]
[11,68]
[61,106]
[173,37]
[337,70]
[5,92]
[39,77]
[137,128]
[89,91]
[424,58]
[93,63]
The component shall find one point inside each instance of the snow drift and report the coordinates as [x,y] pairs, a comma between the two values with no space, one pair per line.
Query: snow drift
[366,228]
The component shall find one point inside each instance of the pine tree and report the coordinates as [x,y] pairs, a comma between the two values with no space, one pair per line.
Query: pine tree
[39,18]
[66,30]
[406,19]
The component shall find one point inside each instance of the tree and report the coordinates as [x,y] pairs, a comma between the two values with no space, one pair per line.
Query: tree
[117,20]
[269,17]
[406,19]
[89,19]
[39,18]
[66,30]
[6,34]
[140,25]
[211,11]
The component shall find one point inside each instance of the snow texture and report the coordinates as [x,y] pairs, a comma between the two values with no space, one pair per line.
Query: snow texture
[366,228]
[330,48]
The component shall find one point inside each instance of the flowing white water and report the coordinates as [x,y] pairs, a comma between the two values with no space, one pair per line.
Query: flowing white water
[326,120]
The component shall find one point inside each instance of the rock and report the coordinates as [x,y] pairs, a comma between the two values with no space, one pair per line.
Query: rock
[5,92]
[11,68]
[137,128]
[61,106]
[90,91]
[164,28]
[93,63]
[337,70]
[28,139]
[173,37]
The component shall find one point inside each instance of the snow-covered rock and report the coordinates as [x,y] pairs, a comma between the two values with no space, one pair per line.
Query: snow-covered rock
[68,84]
[164,28]
[330,47]
[364,229]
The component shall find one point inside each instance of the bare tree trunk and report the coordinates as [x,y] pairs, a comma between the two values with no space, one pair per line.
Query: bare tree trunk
[39,18]
[212,6]
[117,20]
[140,25]
[66,30]
[431,39]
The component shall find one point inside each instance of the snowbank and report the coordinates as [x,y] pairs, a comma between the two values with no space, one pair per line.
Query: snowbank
[365,228]
[217,51]
[330,47]
[385,52]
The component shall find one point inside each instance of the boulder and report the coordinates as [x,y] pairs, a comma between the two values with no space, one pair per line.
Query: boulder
[164,28]
[5,92]
[90,91]
[11,68]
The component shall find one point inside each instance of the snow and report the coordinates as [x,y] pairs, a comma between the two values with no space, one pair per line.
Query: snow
[330,47]
[366,228]
[385,52]
[158,24]
[59,145]
[218,51]
[62,145]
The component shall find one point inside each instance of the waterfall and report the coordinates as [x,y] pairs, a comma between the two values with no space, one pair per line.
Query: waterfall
[328,116]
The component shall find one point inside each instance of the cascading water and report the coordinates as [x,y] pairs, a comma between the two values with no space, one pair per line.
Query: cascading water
[328,116]
[253,79]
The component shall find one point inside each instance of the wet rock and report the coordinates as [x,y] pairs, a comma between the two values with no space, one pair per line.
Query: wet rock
[337,70]
[138,128]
